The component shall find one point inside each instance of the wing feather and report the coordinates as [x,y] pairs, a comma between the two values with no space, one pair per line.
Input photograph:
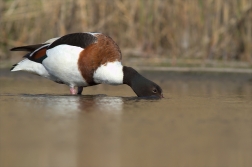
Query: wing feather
[76,39]
[29,48]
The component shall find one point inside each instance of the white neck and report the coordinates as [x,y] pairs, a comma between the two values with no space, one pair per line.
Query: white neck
[109,73]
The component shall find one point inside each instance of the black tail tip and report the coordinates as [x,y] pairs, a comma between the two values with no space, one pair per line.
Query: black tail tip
[13,67]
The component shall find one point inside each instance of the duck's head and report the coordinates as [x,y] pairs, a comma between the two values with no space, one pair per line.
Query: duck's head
[140,85]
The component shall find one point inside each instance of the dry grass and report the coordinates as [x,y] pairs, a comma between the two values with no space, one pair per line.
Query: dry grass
[181,29]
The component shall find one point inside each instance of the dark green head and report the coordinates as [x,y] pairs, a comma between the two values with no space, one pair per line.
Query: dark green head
[140,85]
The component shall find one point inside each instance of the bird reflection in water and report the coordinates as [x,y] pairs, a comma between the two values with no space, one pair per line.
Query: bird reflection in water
[65,105]
[100,103]
[89,126]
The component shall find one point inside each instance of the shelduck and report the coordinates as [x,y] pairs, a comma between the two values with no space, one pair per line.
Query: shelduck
[81,60]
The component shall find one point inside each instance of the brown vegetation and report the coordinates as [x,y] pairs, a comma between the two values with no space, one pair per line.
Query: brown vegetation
[175,29]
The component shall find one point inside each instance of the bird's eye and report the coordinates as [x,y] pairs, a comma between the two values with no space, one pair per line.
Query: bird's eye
[154,90]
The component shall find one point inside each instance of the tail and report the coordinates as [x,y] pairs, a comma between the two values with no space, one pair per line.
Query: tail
[13,68]
[30,48]
[26,65]
[37,55]
[35,68]
[32,60]
[29,62]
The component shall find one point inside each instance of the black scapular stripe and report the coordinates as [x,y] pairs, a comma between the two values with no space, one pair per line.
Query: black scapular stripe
[29,48]
[76,39]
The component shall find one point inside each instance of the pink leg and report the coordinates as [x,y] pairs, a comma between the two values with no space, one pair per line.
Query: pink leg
[72,91]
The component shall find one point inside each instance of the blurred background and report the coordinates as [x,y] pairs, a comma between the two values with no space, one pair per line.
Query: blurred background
[205,33]
[204,120]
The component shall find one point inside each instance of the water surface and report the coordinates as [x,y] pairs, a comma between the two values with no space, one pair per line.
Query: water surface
[205,120]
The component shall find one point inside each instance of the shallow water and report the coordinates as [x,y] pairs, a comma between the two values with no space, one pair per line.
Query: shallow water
[205,120]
